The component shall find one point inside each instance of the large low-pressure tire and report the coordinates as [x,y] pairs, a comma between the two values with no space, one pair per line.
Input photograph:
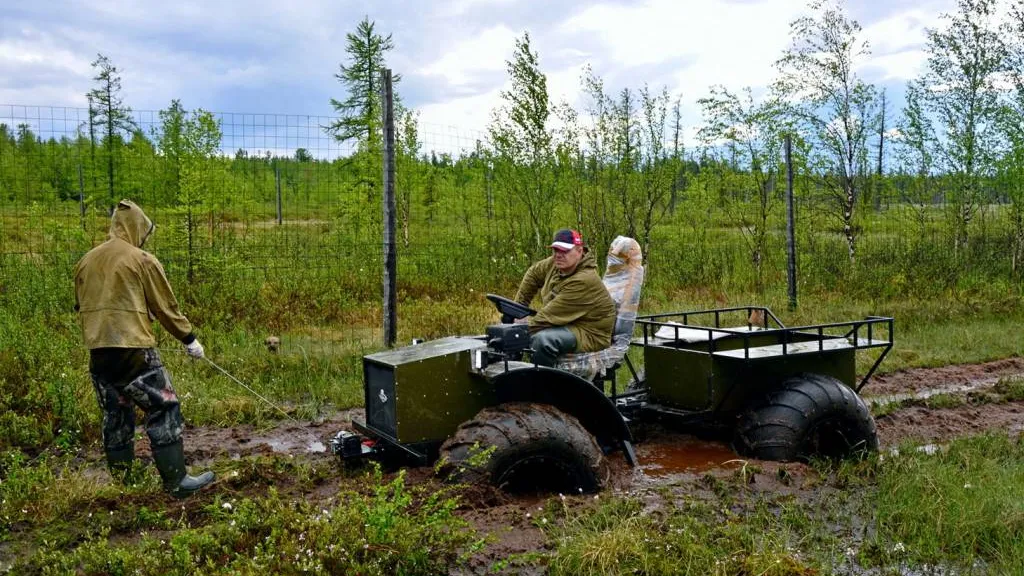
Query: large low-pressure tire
[808,415]
[535,447]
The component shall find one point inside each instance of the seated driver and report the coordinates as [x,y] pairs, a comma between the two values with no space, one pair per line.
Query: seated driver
[577,314]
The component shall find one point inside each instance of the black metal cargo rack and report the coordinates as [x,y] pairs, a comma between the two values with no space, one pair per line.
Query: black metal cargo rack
[784,341]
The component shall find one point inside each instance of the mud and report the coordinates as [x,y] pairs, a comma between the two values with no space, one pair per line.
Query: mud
[296,438]
[665,456]
[935,426]
[918,380]
[672,466]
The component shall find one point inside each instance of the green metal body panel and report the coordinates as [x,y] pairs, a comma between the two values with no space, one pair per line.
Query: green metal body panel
[434,389]
[688,377]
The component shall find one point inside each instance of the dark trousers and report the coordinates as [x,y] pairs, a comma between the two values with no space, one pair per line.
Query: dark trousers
[129,377]
[550,343]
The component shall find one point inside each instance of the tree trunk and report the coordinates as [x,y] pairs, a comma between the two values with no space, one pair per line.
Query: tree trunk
[110,147]
[189,232]
[851,238]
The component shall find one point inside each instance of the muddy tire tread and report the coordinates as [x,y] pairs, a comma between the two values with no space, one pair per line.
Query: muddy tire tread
[782,427]
[522,428]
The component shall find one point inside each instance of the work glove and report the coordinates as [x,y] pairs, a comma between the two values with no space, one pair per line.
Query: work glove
[194,349]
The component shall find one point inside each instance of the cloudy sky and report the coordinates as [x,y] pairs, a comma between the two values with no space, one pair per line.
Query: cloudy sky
[279,57]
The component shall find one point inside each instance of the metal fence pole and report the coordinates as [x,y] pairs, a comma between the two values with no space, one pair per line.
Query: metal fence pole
[790,224]
[390,295]
[277,183]
[81,196]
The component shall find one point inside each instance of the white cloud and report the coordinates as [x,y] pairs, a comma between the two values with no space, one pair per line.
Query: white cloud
[460,7]
[897,43]
[456,124]
[486,52]
[208,53]
[728,43]
[55,71]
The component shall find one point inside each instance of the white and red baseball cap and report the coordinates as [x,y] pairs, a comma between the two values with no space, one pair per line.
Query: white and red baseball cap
[566,239]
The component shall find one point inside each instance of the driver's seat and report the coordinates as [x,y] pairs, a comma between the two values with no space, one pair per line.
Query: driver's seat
[623,278]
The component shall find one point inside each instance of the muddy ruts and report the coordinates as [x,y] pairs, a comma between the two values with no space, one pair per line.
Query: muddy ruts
[808,415]
[128,377]
[535,446]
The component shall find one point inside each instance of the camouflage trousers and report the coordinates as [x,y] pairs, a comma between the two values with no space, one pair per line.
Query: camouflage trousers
[128,377]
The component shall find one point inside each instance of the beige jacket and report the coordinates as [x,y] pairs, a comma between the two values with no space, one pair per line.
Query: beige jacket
[579,302]
[120,288]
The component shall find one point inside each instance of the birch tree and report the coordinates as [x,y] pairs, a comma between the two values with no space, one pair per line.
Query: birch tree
[832,103]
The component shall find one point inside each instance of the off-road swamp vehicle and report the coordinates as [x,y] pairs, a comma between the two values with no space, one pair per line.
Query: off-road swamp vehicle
[478,405]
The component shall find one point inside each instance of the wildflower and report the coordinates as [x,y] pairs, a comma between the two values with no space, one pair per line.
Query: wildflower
[899,548]
[226,506]
[968,486]
[528,515]
[232,522]
[234,473]
[543,520]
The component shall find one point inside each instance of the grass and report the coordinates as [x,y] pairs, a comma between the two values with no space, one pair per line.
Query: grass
[958,510]
[958,504]
[46,395]
[695,537]
[64,516]
[1011,389]
[257,522]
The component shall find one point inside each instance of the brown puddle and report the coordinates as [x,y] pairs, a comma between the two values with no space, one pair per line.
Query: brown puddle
[684,454]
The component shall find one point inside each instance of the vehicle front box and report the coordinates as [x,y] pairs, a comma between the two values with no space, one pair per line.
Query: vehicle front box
[422,393]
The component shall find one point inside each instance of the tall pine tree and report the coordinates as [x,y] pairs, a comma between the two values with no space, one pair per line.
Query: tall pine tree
[107,110]
[360,113]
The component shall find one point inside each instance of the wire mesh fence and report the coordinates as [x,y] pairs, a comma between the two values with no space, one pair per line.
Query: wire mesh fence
[277,221]
[270,220]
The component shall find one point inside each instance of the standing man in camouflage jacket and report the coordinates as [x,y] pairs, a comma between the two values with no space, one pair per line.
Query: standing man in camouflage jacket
[577,313]
[119,290]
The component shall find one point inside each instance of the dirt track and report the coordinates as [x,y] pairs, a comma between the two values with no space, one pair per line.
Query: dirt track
[913,423]
[669,461]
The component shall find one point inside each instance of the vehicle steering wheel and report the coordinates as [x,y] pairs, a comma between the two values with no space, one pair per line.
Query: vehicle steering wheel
[510,309]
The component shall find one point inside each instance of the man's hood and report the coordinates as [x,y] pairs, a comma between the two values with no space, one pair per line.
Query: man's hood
[588,261]
[130,224]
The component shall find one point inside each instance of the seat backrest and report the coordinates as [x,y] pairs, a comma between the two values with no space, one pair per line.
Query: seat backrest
[623,278]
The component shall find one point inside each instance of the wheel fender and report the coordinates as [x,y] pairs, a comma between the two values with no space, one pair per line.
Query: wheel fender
[570,394]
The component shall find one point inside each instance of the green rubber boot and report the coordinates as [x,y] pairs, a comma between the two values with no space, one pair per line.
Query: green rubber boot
[120,462]
[170,462]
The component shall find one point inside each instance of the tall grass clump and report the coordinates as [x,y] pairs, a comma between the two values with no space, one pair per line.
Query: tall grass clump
[389,528]
[958,504]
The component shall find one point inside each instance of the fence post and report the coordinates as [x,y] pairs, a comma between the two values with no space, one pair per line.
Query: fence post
[277,183]
[790,225]
[81,196]
[390,259]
